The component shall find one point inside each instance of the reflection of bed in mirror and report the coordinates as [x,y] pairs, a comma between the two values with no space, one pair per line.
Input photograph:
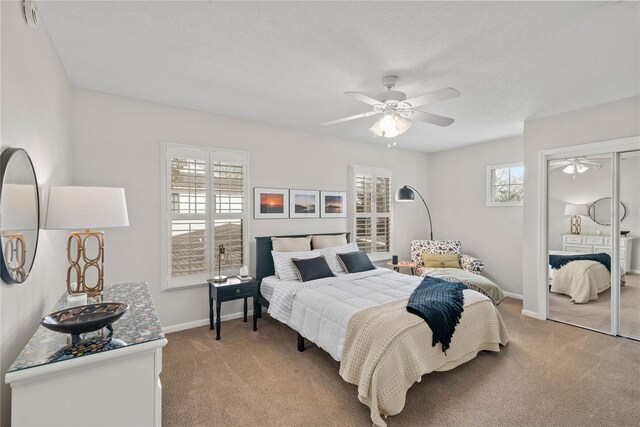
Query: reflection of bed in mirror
[580,279]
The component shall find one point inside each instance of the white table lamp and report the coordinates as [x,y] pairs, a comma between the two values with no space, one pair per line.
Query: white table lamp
[86,208]
[576,212]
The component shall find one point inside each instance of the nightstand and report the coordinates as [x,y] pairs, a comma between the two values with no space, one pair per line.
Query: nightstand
[230,290]
[405,264]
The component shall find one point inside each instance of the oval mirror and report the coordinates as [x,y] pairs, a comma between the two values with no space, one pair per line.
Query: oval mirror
[600,211]
[19,215]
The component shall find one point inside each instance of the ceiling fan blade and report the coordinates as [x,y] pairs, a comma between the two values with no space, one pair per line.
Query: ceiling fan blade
[428,98]
[346,119]
[363,98]
[587,162]
[434,119]
[560,163]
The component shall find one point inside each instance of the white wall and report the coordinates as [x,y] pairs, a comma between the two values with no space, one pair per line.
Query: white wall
[613,120]
[35,116]
[457,200]
[589,187]
[117,143]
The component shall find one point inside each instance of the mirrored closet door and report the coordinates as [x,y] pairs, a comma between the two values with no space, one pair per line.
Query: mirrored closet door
[579,197]
[630,245]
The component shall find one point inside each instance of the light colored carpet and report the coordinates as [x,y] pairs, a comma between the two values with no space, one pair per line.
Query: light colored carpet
[550,374]
[597,314]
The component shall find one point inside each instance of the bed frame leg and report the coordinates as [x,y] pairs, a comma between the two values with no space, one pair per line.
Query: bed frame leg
[300,342]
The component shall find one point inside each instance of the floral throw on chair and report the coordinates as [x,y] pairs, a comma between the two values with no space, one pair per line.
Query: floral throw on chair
[418,247]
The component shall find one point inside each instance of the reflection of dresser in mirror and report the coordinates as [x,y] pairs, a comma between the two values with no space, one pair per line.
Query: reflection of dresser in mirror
[593,243]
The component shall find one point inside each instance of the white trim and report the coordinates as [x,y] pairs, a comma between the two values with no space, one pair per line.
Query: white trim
[600,147]
[634,271]
[512,295]
[533,314]
[204,322]
[489,189]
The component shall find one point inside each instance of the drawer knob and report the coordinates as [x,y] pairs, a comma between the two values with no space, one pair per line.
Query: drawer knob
[237,291]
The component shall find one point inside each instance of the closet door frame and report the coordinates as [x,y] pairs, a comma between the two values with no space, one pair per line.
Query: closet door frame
[609,147]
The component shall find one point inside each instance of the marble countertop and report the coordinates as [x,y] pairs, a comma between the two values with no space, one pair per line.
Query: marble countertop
[140,324]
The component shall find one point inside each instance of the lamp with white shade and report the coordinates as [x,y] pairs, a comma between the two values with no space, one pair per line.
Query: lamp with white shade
[576,212]
[86,209]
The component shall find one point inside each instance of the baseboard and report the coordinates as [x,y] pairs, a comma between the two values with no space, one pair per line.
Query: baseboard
[634,271]
[203,322]
[512,295]
[532,314]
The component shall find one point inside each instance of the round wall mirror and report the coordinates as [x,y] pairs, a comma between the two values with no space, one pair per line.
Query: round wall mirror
[19,215]
[600,211]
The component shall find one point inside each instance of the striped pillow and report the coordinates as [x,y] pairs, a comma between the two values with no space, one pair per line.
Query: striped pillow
[331,254]
[283,265]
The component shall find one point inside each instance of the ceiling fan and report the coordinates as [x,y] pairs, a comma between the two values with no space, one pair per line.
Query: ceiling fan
[574,165]
[397,111]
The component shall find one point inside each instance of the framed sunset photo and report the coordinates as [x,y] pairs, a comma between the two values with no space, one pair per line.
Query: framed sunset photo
[333,204]
[304,204]
[271,203]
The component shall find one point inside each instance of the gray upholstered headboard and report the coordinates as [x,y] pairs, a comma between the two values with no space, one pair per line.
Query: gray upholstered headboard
[264,246]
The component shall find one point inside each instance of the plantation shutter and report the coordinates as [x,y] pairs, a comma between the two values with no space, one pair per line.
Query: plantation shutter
[205,208]
[372,210]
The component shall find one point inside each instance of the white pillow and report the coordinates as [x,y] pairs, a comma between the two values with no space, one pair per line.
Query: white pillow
[331,254]
[291,244]
[284,267]
[320,242]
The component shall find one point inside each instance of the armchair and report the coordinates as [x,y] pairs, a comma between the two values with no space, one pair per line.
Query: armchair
[418,247]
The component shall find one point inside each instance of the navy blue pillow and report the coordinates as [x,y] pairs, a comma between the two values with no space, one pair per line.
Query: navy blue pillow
[355,262]
[312,268]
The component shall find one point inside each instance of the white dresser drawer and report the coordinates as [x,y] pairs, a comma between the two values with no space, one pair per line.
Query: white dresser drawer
[607,250]
[593,240]
[578,248]
[573,239]
[607,241]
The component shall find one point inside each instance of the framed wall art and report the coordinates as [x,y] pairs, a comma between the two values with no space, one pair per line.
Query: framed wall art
[304,204]
[271,203]
[333,204]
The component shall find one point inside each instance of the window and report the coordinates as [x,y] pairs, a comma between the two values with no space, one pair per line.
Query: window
[372,210]
[505,185]
[204,206]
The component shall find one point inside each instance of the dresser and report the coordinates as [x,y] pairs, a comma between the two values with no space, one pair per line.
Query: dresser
[593,243]
[101,381]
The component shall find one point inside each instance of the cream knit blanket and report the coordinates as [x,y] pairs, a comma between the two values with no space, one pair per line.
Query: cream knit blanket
[387,349]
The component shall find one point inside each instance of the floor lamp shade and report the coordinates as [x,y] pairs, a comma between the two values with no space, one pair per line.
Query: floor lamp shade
[405,194]
[86,208]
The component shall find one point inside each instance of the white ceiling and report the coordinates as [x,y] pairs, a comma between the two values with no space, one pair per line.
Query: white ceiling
[288,63]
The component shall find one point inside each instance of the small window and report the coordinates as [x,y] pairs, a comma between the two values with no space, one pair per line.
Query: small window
[505,185]
[372,210]
[204,206]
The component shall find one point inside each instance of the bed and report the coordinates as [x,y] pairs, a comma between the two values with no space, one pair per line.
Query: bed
[361,321]
[581,280]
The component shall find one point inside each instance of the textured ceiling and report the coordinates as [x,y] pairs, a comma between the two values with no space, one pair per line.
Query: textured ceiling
[288,63]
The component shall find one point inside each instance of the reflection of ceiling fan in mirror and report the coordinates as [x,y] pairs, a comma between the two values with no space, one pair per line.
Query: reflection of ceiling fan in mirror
[574,165]
[397,111]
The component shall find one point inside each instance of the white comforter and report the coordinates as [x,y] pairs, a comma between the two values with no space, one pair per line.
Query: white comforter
[320,310]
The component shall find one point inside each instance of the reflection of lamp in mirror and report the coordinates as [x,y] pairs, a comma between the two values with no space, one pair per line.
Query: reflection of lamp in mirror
[220,278]
[19,214]
[576,212]
[86,208]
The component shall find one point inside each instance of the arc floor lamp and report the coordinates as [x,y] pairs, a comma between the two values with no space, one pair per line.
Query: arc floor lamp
[407,194]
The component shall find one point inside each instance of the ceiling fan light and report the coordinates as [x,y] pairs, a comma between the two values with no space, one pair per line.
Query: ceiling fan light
[570,169]
[580,168]
[390,126]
